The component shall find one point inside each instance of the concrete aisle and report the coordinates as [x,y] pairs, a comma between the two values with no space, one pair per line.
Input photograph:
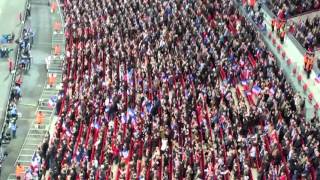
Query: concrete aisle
[294,54]
[9,13]
[33,81]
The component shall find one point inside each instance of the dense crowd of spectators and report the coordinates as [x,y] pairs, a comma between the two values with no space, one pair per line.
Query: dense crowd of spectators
[308,33]
[174,89]
[289,8]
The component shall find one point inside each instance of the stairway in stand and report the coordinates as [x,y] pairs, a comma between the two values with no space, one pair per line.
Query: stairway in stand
[36,133]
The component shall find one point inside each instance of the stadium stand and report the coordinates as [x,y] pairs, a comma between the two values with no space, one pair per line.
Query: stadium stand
[288,8]
[174,90]
[308,33]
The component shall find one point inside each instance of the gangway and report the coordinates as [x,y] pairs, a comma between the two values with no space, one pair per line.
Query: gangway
[36,133]
[56,65]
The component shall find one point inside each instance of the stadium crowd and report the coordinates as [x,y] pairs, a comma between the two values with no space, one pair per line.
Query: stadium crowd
[308,33]
[289,8]
[174,90]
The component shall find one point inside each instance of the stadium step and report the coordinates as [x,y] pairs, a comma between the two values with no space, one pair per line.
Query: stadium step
[24,162]
[40,135]
[30,146]
[58,32]
[34,131]
[27,151]
[12,177]
[38,2]
[44,107]
[45,110]
[56,61]
[54,70]
[25,157]
[38,131]
[50,70]
[58,38]
[48,92]
[44,102]
[56,42]
[34,140]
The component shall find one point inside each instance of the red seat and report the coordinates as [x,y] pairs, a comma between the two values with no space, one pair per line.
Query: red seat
[252,60]
[250,100]
[222,73]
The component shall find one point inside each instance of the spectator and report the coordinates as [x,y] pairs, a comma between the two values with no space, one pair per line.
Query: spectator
[39,118]
[19,171]
[308,33]
[289,8]
[10,65]
[52,80]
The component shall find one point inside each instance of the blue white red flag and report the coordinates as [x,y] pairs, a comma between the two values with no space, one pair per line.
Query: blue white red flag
[318,78]
[245,85]
[256,90]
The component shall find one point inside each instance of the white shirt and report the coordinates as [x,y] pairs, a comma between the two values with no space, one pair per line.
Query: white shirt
[253,151]
[164,144]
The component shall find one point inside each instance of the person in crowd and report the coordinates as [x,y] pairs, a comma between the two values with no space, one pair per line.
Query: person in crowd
[28,10]
[40,117]
[13,126]
[309,59]
[174,89]
[19,171]
[52,79]
[308,33]
[288,8]
[10,65]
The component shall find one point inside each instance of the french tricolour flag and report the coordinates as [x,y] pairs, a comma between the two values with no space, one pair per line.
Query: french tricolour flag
[256,90]
[245,85]
[318,78]
[246,74]
[248,93]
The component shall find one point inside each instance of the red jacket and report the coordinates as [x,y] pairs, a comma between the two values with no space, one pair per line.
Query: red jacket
[252,2]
